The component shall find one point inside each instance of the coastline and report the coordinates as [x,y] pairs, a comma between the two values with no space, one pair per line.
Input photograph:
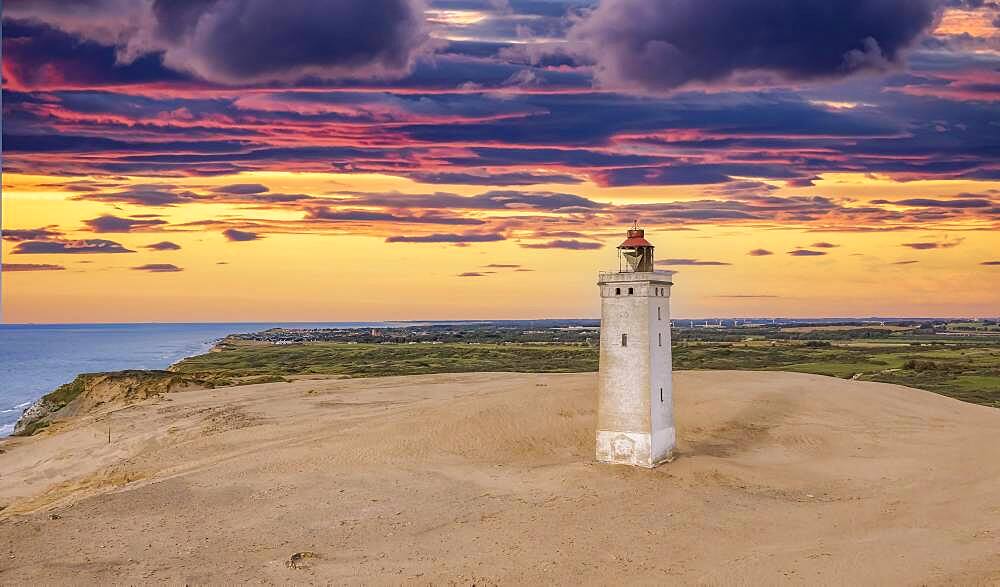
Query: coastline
[35,359]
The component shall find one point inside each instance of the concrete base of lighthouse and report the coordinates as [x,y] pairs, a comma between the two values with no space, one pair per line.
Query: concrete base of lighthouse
[636,449]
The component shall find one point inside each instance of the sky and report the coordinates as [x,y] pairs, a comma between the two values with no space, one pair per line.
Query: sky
[347,160]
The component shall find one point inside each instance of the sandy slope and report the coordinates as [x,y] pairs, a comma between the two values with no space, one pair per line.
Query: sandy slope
[480,478]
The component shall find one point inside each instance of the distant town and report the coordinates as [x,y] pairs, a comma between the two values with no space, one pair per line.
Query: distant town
[587,331]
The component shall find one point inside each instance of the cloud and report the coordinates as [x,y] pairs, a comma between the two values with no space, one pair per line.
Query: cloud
[909,262]
[86,246]
[672,43]
[16,235]
[156,195]
[924,246]
[243,41]
[109,223]
[473,274]
[325,213]
[806,253]
[158,268]
[689,262]
[163,246]
[492,178]
[760,253]
[241,189]
[932,203]
[568,244]
[30,267]
[491,200]
[823,245]
[990,263]
[502,266]
[234,235]
[448,238]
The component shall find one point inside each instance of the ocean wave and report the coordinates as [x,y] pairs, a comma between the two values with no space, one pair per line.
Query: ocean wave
[6,429]
[18,408]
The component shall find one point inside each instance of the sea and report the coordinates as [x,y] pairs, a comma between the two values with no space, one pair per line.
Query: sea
[37,358]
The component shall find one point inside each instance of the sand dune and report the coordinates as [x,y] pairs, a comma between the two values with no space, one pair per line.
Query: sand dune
[488,478]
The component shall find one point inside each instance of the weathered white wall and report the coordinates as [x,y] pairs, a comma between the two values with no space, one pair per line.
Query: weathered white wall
[633,425]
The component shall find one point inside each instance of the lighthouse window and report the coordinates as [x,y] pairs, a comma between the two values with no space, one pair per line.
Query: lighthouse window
[631,291]
[658,315]
[624,340]
[618,291]
[661,395]
[659,339]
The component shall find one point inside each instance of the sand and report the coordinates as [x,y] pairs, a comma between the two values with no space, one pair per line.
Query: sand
[780,478]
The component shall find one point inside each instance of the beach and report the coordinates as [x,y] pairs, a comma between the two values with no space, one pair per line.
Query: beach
[488,478]
[37,358]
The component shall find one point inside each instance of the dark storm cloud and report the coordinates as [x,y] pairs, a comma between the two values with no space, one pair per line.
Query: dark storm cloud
[824,245]
[760,253]
[567,244]
[16,235]
[109,223]
[30,267]
[85,246]
[234,235]
[667,44]
[448,238]
[474,274]
[689,262]
[36,54]
[158,268]
[255,40]
[240,41]
[163,246]
[990,263]
[806,253]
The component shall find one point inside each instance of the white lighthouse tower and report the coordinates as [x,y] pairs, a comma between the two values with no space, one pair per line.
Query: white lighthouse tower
[635,411]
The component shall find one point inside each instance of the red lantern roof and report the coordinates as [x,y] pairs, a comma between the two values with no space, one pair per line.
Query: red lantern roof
[636,238]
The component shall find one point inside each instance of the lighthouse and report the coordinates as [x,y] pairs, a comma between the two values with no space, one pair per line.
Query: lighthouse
[635,410]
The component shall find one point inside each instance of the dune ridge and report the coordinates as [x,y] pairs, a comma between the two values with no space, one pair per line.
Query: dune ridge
[489,478]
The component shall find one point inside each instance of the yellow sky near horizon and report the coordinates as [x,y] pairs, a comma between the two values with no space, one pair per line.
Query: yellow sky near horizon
[352,274]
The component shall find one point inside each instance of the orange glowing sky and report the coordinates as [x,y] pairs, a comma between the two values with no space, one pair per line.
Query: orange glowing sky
[491,172]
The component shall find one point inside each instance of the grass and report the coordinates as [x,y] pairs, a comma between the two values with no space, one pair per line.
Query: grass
[963,371]
[373,360]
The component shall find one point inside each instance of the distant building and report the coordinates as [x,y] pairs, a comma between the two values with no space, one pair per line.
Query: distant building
[635,413]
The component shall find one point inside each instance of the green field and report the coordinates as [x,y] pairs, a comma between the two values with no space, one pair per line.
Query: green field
[969,371]
[963,371]
[373,360]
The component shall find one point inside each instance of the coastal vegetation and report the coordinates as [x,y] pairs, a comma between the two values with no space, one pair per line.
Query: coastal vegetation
[375,360]
[959,360]
[89,390]
[969,371]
